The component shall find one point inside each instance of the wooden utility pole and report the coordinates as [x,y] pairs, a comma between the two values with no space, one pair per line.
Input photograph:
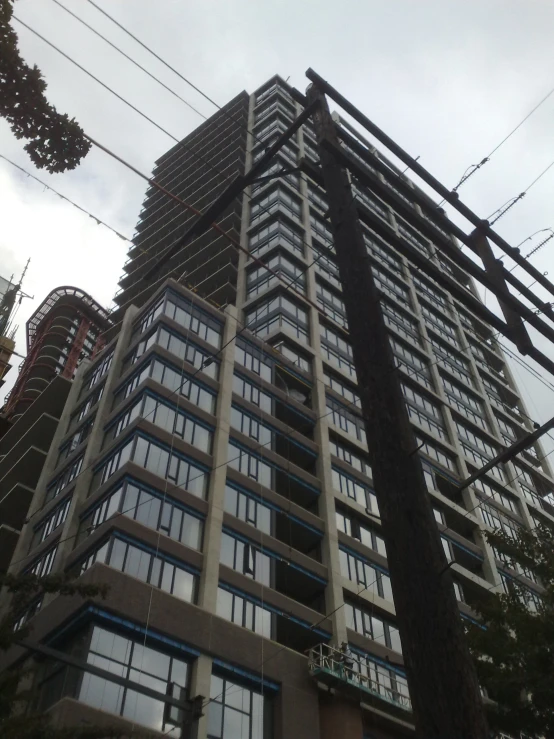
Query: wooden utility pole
[441,676]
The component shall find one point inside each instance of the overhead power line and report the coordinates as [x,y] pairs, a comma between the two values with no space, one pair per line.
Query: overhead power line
[513,201]
[98,220]
[117,95]
[151,181]
[475,167]
[176,71]
[158,57]
[133,61]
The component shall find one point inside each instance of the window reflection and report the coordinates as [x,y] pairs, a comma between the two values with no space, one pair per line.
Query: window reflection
[128,659]
[236,712]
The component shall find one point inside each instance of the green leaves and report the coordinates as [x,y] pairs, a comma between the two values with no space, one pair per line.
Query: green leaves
[15,721]
[55,142]
[515,653]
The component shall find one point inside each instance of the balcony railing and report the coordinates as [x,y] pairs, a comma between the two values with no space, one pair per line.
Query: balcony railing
[327,665]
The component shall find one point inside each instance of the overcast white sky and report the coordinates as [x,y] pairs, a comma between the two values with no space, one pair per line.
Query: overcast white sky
[446,78]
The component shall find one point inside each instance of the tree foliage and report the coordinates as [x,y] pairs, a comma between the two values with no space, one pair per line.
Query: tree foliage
[55,142]
[515,651]
[15,721]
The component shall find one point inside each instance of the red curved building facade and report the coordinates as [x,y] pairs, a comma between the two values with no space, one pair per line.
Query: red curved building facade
[64,330]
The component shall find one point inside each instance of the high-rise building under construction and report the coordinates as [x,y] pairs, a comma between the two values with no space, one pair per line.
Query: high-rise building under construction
[223,491]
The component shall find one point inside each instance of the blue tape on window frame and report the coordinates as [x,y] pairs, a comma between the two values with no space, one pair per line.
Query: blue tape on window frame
[268,504]
[363,559]
[307,418]
[148,489]
[154,356]
[266,606]
[273,429]
[247,450]
[156,552]
[273,555]
[147,392]
[230,670]
[139,433]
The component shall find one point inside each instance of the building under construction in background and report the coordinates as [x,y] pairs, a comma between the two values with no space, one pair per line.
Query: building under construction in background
[210,464]
[65,330]
[9,293]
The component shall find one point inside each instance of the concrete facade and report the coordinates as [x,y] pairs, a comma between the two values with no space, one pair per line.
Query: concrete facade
[223,492]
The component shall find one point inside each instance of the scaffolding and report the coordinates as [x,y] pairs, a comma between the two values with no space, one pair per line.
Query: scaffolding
[327,665]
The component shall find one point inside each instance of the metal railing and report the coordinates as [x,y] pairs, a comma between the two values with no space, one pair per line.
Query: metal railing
[327,661]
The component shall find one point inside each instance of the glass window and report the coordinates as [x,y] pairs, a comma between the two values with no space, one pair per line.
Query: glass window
[342,388]
[498,520]
[243,611]
[193,318]
[355,460]
[259,279]
[145,566]
[411,362]
[235,712]
[64,478]
[274,200]
[436,453]
[245,558]
[276,231]
[174,380]
[250,465]
[98,372]
[293,355]
[423,411]
[92,400]
[365,574]
[352,527]
[53,520]
[167,416]
[247,508]
[181,347]
[276,313]
[372,626]
[355,490]
[253,358]
[253,394]
[152,508]
[150,455]
[346,420]
[129,659]
[405,325]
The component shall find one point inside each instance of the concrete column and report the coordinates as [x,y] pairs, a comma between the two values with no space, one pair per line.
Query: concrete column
[95,441]
[200,685]
[216,492]
[22,547]
[326,508]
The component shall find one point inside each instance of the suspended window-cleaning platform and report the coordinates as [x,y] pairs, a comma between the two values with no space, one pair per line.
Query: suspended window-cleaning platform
[365,680]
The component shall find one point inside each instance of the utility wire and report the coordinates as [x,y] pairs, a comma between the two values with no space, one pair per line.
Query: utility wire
[133,61]
[98,220]
[536,248]
[536,180]
[113,20]
[513,201]
[475,167]
[117,95]
[154,183]
[151,181]
[175,71]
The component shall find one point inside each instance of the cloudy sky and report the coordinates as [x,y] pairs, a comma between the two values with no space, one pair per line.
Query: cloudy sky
[448,79]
